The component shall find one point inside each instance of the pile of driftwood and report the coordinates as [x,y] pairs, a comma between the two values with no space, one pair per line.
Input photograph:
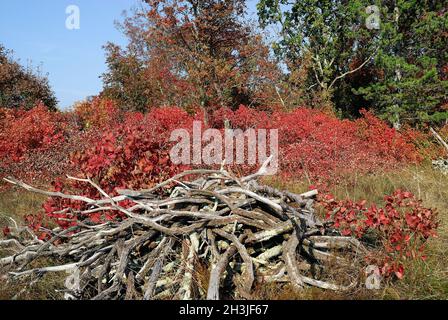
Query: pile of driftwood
[214,237]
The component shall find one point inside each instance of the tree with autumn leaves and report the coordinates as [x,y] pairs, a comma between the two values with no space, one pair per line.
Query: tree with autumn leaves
[388,56]
[190,53]
[22,87]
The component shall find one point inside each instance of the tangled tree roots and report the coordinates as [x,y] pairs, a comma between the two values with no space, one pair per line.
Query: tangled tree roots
[234,229]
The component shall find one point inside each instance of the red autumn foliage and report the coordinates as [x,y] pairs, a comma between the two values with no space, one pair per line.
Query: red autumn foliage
[324,148]
[312,144]
[97,113]
[401,226]
[135,155]
[35,145]
[22,131]
[196,53]
[6,231]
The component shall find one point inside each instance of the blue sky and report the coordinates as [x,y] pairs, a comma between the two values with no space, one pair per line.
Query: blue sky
[74,59]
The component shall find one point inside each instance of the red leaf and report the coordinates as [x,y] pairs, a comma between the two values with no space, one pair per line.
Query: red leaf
[44,236]
[400,272]
[6,231]
[95,218]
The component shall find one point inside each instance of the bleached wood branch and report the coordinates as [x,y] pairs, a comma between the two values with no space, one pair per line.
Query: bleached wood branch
[353,70]
[439,138]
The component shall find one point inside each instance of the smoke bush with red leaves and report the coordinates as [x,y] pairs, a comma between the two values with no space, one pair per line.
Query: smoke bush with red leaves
[36,145]
[22,131]
[401,227]
[323,148]
[134,155]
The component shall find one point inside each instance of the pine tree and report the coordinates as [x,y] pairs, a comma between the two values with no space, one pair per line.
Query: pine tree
[411,83]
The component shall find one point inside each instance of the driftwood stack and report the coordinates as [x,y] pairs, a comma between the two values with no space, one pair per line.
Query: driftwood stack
[212,237]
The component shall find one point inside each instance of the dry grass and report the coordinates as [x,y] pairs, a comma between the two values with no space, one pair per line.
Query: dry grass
[17,204]
[423,280]
[31,289]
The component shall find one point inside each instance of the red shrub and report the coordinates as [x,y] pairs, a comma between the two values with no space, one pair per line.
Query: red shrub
[23,131]
[97,113]
[135,155]
[402,227]
[36,145]
[385,141]
[324,148]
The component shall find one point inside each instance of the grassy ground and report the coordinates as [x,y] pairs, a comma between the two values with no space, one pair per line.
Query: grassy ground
[16,205]
[423,280]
